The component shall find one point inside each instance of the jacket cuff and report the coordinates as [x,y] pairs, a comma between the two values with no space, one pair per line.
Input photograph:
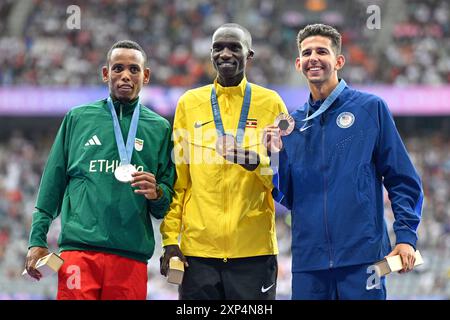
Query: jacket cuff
[406,237]
[169,242]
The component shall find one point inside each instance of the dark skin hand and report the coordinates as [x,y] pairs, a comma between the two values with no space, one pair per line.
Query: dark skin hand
[33,255]
[146,182]
[169,252]
[248,159]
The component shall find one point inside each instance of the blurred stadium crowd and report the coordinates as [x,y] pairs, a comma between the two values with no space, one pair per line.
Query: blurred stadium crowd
[37,49]
[177,36]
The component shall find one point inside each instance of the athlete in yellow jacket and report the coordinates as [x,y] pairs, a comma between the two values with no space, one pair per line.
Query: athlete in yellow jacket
[222,207]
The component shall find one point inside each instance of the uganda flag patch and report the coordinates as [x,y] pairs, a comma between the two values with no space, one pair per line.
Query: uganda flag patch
[251,123]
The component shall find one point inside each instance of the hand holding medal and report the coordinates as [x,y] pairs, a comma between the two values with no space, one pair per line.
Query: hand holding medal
[227,147]
[148,187]
[124,172]
[284,125]
[225,144]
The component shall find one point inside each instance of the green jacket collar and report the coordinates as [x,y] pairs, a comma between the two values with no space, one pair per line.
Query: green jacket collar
[127,107]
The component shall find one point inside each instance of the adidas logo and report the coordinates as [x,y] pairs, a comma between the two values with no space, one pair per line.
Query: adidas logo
[94,141]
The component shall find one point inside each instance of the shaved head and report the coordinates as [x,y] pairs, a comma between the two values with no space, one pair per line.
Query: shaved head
[247,36]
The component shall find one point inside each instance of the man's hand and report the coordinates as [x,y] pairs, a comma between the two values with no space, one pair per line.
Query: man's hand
[248,159]
[407,254]
[169,252]
[33,255]
[272,139]
[146,182]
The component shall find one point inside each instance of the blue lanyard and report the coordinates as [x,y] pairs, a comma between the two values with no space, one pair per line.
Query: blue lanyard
[124,153]
[242,119]
[328,101]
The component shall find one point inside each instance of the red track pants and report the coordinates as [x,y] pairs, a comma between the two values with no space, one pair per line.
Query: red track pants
[89,275]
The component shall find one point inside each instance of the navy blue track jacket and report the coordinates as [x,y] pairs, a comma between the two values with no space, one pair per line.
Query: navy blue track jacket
[332,175]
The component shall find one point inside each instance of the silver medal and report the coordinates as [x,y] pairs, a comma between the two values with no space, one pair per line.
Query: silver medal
[123,172]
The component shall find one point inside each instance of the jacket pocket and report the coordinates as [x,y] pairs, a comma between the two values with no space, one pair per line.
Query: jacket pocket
[207,168]
[186,202]
[77,193]
[366,191]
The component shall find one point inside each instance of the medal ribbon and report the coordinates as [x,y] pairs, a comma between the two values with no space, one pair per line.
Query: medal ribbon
[242,118]
[328,101]
[276,193]
[125,153]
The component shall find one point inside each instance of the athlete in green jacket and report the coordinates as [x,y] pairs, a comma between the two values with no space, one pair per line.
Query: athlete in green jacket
[108,170]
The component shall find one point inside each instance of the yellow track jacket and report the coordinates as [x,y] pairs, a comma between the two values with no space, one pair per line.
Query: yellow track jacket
[220,209]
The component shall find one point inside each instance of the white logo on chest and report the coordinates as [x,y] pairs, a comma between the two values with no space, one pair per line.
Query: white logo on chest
[345,120]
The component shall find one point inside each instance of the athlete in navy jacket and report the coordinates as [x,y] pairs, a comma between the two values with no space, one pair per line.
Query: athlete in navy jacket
[332,169]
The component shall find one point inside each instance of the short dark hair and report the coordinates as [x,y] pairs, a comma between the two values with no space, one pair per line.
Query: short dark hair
[247,35]
[126,44]
[324,31]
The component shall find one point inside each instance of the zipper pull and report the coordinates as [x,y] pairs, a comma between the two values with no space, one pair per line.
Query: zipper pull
[120,112]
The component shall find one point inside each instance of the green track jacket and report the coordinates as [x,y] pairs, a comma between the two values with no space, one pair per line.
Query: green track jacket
[98,212]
